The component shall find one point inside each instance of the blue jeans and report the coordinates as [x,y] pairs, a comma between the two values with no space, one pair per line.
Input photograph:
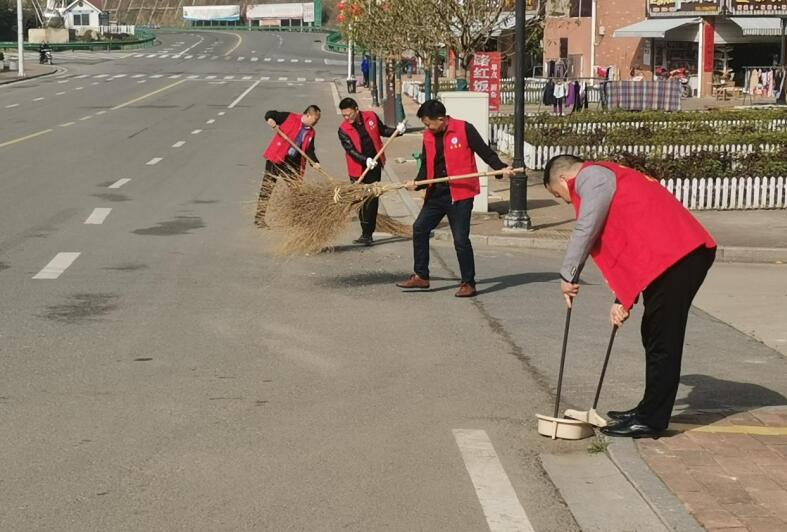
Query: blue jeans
[432,213]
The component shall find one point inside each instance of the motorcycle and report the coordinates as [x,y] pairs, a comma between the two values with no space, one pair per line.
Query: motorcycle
[45,57]
[679,74]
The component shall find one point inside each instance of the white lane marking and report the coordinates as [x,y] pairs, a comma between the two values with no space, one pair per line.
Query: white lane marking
[282,79]
[212,120]
[98,113]
[79,88]
[494,490]
[196,132]
[222,113]
[139,55]
[179,143]
[193,76]
[156,76]
[154,161]
[164,56]
[142,81]
[174,76]
[82,76]
[12,105]
[267,59]
[88,117]
[99,76]
[319,79]
[264,78]
[280,60]
[301,79]
[119,75]
[246,78]
[243,95]
[151,55]
[67,124]
[253,59]
[335,94]
[189,57]
[38,99]
[119,183]
[241,58]
[229,77]
[254,51]
[61,93]
[98,216]
[135,76]
[293,60]
[214,57]
[202,57]
[210,77]
[57,265]
[63,81]
[96,82]
[307,60]
[217,82]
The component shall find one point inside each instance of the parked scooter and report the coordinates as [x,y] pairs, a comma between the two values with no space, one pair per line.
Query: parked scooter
[680,74]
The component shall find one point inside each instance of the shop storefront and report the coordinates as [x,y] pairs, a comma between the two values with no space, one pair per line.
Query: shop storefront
[713,40]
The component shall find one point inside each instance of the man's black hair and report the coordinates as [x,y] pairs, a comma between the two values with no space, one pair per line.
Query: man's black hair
[432,109]
[559,163]
[312,109]
[348,103]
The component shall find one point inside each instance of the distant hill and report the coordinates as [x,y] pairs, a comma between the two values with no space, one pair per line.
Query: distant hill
[170,12]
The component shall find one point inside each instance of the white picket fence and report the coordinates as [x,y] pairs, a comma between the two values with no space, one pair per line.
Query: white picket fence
[536,157]
[730,193]
[534,92]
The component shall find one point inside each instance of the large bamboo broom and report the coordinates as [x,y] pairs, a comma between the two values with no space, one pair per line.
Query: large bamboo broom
[315,213]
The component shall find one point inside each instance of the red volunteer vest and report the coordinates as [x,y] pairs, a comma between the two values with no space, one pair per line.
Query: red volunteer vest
[278,148]
[459,159]
[354,168]
[647,230]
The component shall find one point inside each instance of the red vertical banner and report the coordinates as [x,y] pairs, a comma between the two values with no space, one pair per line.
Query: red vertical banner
[485,76]
[709,42]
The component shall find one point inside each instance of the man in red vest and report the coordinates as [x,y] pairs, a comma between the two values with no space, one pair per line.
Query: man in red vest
[282,157]
[449,149]
[360,135]
[644,242]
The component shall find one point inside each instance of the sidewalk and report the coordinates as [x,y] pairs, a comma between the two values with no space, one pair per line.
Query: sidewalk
[32,70]
[724,469]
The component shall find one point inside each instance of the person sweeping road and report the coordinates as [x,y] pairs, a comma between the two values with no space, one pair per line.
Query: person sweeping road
[645,243]
[282,158]
[360,135]
[449,149]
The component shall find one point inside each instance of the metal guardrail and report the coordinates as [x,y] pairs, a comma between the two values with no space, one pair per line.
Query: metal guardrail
[144,39]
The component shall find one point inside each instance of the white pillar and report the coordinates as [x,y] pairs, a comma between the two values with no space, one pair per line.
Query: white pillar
[593,25]
[350,59]
[700,54]
[20,36]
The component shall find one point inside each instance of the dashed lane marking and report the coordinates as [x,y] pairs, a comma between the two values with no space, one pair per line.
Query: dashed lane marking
[57,265]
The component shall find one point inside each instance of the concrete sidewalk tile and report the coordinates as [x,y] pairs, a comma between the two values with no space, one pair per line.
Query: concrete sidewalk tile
[695,458]
[654,448]
[771,419]
[698,501]
[682,482]
[765,457]
[728,529]
[717,519]
[777,474]
[758,482]
[745,418]
[681,442]
[774,500]
[666,464]
[735,465]
[723,488]
[744,441]
[764,524]
[748,510]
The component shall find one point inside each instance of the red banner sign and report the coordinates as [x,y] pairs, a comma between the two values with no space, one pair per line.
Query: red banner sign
[485,76]
[709,42]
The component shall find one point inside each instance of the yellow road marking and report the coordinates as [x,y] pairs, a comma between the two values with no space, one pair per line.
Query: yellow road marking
[730,429]
[148,95]
[240,40]
[26,137]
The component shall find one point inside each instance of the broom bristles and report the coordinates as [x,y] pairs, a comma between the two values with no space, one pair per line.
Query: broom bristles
[386,224]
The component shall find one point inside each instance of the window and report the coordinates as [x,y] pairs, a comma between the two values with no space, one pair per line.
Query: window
[563,48]
[81,19]
[581,8]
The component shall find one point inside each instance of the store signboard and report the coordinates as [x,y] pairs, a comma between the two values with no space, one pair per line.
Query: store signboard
[485,76]
[684,8]
[758,8]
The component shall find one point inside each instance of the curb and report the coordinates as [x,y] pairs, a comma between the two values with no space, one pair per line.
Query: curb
[16,80]
[667,507]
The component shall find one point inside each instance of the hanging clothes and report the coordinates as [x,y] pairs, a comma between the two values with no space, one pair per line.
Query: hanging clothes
[549,93]
[572,95]
[577,96]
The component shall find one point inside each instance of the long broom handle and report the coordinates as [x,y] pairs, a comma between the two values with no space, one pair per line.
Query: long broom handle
[604,367]
[299,150]
[458,177]
[378,155]
[562,363]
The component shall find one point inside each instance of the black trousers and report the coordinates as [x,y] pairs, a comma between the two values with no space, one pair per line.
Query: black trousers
[667,301]
[459,213]
[266,186]
[367,214]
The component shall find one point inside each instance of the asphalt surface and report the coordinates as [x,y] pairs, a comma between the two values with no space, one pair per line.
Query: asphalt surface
[179,375]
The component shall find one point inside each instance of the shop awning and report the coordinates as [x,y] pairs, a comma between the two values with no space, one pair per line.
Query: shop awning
[655,28]
[758,25]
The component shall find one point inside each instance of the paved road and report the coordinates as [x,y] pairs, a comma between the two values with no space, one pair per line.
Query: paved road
[162,369]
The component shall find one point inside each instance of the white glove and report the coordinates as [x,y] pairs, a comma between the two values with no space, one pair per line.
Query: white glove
[371,164]
[401,127]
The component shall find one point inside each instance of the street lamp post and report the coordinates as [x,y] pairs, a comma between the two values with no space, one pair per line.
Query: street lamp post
[517,217]
[20,36]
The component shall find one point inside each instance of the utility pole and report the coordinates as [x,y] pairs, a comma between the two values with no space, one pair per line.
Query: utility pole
[20,37]
[517,217]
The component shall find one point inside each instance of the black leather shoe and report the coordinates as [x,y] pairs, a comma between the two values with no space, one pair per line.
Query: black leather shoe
[622,415]
[632,428]
[364,241]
